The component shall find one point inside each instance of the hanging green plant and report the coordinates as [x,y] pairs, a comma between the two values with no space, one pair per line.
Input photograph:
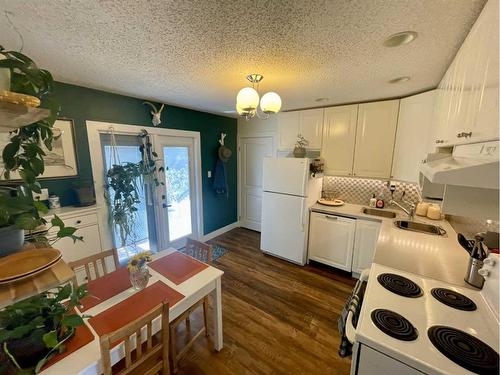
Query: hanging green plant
[124,184]
[23,153]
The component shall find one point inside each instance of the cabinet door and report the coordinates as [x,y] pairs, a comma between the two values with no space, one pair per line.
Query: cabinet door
[288,128]
[364,244]
[90,245]
[414,125]
[375,134]
[331,240]
[339,136]
[311,126]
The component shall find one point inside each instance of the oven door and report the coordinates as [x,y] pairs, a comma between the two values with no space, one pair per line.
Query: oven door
[355,308]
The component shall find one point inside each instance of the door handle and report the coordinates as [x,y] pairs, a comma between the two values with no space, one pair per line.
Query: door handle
[331,217]
[166,205]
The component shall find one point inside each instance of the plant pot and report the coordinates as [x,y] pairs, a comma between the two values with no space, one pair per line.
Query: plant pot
[4,77]
[11,240]
[29,350]
[299,152]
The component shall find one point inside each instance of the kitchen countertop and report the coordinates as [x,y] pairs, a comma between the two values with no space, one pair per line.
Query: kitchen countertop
[437,257]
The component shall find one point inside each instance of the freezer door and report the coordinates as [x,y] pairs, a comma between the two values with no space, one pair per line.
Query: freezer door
[284,226]
[286,175]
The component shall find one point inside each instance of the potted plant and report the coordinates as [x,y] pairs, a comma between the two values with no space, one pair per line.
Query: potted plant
[24,155]
[125,182]
[300,146]
[35,329]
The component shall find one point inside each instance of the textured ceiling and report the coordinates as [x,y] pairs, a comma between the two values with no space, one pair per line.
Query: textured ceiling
[197,53]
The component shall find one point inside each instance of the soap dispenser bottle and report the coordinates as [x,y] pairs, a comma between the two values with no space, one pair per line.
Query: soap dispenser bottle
[373,201]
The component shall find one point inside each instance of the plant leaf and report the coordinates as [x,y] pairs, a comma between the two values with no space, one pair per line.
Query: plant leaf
[73,320]
[50,339]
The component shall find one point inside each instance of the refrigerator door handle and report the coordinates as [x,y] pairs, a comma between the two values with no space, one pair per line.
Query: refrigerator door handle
[302,216]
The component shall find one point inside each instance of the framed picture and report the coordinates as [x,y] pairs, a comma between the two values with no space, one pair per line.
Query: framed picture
[61,160]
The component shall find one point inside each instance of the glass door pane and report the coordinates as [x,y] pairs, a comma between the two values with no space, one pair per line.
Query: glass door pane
[178,189]
[142,236]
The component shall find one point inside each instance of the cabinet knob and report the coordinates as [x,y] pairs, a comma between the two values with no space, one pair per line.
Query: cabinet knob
[464,135]
[439,140]
[78,221]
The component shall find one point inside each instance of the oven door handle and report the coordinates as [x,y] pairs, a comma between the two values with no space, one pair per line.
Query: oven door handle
[350,331]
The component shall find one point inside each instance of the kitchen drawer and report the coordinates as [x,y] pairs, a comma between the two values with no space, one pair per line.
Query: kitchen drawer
[72,251]
[76,221]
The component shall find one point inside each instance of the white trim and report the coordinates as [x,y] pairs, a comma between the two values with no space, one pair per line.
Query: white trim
[220,231]
[95,128]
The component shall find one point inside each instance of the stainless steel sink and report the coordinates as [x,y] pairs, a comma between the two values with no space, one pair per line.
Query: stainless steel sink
[377,212]
[415,226]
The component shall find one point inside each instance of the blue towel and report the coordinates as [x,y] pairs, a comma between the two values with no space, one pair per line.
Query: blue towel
[220,178]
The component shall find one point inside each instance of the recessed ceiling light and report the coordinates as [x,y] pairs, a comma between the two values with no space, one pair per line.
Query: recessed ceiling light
[400,79]
[321,100]
[401,38]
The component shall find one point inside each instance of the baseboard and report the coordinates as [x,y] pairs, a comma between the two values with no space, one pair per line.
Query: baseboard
[220,231]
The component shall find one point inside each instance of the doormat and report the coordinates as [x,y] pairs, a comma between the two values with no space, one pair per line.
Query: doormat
[217,252]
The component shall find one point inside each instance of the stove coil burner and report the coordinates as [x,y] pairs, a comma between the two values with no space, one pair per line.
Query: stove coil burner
[453,299]
[394,325]
[465,350]
[399,285]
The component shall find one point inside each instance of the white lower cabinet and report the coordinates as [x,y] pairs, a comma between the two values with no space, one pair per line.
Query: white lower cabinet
[364,244]
[331,240]
[341,242]
[87,226]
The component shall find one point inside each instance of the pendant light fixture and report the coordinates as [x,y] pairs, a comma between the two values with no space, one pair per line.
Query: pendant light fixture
[247,100]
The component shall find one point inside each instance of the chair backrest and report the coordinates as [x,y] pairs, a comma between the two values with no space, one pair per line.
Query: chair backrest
[199,250]
[152,355]
[95,260]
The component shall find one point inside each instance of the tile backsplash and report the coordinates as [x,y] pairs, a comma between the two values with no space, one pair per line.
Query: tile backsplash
[360,190]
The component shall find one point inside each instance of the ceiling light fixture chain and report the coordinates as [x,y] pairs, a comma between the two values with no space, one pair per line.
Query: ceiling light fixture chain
[248,100]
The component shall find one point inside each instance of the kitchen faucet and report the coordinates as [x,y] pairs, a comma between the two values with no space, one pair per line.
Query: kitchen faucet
[410,209]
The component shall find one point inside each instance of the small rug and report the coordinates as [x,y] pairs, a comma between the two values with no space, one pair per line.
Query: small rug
[217,252]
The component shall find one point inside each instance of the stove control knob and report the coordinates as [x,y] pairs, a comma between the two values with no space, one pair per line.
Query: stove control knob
[483,272]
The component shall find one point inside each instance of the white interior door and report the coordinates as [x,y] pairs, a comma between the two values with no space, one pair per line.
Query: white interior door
[178,219]
[252,152]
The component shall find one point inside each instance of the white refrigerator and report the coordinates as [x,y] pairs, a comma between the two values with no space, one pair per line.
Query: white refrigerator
[288,192]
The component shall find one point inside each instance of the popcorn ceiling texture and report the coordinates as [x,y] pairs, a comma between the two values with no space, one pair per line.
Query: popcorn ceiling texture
[196,53]
[360,190]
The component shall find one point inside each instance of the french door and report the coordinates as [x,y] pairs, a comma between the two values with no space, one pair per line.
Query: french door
[177,206]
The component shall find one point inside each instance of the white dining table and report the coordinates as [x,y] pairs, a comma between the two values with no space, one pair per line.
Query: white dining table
[87,359]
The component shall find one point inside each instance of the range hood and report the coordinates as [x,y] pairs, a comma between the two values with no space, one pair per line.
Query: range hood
[473,165]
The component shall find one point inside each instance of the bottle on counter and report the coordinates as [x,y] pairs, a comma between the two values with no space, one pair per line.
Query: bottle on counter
[373,201]
[380,201]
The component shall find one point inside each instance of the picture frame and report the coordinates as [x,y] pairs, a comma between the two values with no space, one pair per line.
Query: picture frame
[61,161]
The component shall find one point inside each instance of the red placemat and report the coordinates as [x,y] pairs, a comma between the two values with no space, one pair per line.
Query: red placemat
[105,287]
[134,307]
[177,267]
[82,337]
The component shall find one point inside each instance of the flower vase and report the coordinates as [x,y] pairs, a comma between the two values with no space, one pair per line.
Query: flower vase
[139,277]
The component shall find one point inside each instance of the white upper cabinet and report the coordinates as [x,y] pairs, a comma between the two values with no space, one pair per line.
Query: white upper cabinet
[415,123]
[467,99]
[311,126]
[339,136]
[288,128]
[375,134]
[309,123]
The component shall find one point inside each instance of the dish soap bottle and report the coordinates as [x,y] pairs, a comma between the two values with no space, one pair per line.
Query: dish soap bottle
[380,201]
[373,201]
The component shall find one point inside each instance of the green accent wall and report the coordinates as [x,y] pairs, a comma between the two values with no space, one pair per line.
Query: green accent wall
[82,104]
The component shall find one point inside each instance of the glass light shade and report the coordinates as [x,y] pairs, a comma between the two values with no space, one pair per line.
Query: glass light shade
[247,99]
[270,103]
[240,110]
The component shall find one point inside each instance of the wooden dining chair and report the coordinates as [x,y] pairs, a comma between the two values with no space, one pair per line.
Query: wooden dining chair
[203,252]
[95,260]
[149,357]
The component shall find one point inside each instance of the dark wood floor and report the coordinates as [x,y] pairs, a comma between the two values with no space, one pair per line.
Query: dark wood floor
[278,318]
